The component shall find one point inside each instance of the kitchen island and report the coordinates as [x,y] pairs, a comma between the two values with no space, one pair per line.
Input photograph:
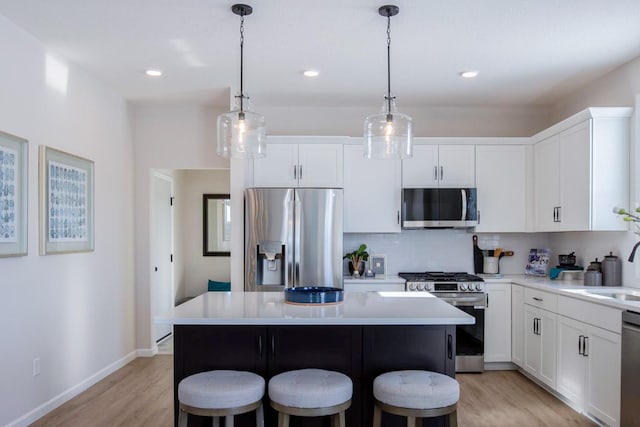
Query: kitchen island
[365,335]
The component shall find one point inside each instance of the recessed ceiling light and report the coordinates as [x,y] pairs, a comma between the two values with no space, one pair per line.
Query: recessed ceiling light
[468,74]
[311,73]
[153,73]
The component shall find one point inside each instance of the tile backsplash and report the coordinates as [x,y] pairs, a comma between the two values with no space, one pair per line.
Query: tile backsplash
[452,249]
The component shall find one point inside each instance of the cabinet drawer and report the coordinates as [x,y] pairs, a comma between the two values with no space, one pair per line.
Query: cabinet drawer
[594,314]
[541,299]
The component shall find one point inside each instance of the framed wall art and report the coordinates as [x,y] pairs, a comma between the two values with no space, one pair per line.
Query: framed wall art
[13,195]
[379,265]
[66,201]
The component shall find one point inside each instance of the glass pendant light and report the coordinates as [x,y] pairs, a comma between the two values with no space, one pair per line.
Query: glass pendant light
[389,134]
[241,133]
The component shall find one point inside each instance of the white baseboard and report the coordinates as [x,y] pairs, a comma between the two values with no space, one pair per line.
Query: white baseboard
[500,366]
[147,352]
[70,393]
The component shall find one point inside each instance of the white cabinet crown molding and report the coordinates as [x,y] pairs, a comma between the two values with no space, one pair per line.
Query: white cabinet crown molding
[586,114]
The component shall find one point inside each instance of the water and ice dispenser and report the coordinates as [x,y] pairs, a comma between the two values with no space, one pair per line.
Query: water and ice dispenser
[271,264]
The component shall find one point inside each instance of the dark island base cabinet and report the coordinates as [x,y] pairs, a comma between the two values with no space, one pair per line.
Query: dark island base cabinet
[361,352]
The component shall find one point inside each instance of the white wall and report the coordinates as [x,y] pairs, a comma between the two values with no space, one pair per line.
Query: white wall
[73,311]
[198,269]
[427,121]
[615,89]
[165,137]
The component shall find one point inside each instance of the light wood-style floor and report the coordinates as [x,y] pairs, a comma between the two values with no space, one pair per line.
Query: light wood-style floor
[141,394]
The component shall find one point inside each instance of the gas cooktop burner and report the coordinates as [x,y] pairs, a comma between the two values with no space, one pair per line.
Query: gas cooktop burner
[440,276]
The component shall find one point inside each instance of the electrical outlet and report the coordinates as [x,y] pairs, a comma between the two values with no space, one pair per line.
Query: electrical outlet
[36,366]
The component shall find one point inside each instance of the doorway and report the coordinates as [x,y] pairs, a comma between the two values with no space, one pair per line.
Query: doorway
[161,251]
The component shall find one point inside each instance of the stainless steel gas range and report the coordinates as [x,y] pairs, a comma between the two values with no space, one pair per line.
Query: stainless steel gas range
[467,293]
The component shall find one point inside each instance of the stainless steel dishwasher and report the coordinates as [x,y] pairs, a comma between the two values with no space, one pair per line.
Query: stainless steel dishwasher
[630,393]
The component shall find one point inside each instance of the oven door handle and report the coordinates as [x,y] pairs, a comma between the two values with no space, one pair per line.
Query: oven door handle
[477,303]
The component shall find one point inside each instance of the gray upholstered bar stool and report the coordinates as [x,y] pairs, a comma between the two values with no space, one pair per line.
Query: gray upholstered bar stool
[415,394]
[221,393]
[311,393]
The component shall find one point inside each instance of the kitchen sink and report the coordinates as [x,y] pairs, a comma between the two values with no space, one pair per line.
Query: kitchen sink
[623,297]
[622,294]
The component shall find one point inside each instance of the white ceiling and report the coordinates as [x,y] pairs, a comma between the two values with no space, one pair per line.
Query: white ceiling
[528,52]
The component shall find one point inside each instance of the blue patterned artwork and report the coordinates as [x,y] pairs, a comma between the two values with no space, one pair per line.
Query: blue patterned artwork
[8,195]
[68,200]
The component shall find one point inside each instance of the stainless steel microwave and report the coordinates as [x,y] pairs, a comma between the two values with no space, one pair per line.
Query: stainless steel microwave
[439,207]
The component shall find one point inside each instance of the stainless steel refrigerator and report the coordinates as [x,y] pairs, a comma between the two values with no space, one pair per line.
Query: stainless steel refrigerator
[293,237]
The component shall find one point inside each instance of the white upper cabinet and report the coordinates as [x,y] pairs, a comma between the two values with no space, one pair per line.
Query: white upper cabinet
[581,171]
[440,166]
[501,180]
[318,163]
[372,193]
[546,186]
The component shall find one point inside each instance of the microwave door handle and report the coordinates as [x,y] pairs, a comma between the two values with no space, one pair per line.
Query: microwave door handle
[463,193]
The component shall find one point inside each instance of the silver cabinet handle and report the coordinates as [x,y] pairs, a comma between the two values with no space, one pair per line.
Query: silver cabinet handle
[538,299]
[441,173]
[580,344]
[478,217]
[585,346]
[300,172]
[398,216]
[273,346]
[435,173]
[295,171]
[559,213]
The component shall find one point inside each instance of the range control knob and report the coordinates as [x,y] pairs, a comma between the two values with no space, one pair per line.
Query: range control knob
[428,287]
[479,287]
[463,287]
[420,286]
[412,286]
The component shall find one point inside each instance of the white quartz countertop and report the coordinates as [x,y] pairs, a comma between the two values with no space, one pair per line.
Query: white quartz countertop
[358,308]
[375,280]
[575,289]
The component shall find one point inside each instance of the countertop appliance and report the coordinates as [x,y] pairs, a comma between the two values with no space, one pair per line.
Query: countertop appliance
[467,293]
[439,208]
[293,237]
[630,369]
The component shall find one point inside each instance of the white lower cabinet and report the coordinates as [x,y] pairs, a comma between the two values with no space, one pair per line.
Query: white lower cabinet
[517,325]
[540,344]
[497,323]
[589,368]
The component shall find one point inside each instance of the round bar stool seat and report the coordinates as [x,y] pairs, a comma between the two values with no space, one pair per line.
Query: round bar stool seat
[311,393]
[415,394]
[221,393]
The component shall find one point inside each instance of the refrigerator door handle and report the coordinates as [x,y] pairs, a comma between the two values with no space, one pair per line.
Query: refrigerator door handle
[290,249]
[297,241]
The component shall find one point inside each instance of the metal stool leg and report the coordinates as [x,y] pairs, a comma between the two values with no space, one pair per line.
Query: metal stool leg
[377,416]
[183,418]
[453,419]
[260,416]
[283,420]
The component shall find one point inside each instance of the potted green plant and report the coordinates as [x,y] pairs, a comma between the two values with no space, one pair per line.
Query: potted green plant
[357,259]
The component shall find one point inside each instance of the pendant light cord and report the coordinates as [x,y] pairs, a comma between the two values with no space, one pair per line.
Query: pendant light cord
[241,63]
[389,65]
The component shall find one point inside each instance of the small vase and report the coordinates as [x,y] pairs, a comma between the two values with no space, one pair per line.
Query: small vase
[359,272]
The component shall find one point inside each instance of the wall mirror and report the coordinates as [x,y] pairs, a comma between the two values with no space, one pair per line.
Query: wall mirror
[216,220]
